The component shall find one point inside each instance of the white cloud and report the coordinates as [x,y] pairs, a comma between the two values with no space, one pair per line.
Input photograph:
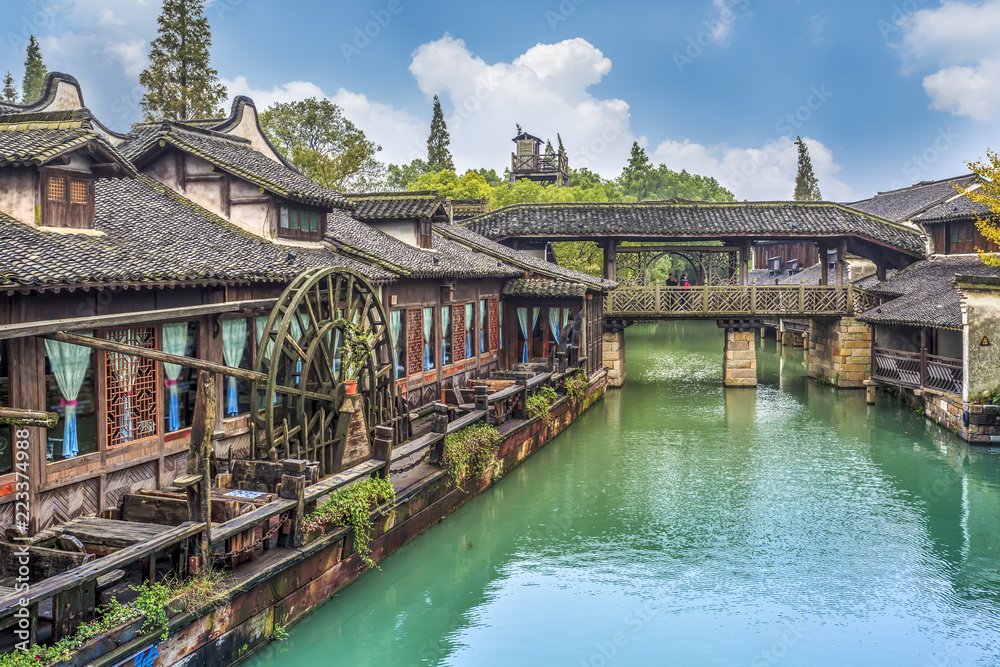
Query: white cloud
[545,90]
[760,173]
[960,38]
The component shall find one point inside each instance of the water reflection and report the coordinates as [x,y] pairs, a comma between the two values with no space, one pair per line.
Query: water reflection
[681,523]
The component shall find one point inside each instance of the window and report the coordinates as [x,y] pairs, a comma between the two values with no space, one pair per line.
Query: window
[447,355]
[237,352]
[414,341]
[300,223]
[428,339]
[496,311]
[69,392]
[6,439]
[458,334]
[397,332]
[963,232]
[181,382]
[424,235]
[484,318]
[68,201]
[470,333]
[131,386]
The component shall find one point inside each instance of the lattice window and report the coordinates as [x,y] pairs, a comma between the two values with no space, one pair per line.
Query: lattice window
[78,191]
[414,341]
[57,188]
[458,332]
[494,324]
[131,389]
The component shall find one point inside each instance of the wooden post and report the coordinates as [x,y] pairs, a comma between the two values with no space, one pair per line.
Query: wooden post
[611,260]
[841,261]
[824,259]
[656,304]
[440,422]
[923,357]
[294,488]
[483,396]
[198,480]
[382,449]
[802,296]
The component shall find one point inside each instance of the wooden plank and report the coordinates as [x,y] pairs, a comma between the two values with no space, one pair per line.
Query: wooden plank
[109,535]
[222,533]
[90,571]
[20,417]
[466,420]
[342,479]
[43,562]
[157,355]
[198,464]
[153,509]
[43,327]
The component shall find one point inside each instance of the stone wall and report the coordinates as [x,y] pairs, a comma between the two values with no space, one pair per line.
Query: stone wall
[949,411]
[840,352]
[981,337]
[739,365]
[614,357]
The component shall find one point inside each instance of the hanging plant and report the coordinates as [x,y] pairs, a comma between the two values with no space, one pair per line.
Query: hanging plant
[470,452]
[353,507]
[541,403]
[576,385]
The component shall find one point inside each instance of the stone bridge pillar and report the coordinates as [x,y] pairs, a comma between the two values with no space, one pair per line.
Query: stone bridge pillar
[739,364]
[840,352]
[613,351]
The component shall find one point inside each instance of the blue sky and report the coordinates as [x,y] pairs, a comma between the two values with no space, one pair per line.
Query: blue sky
[886,93]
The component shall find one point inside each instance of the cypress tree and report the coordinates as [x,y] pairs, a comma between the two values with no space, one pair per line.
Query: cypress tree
[180,84]
[438,155]
[9,94]
[806,185]
[550,151]
[34,73]
[562,149]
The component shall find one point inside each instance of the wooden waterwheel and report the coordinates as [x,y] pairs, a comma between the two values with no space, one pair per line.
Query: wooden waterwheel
[299,410]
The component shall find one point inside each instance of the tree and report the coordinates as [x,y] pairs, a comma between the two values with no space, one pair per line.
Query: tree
[490,175]
[562,149]
[550,150]
[180,84]
[806,185]
[449,185]
[989,196]
[400,176]
[438,155]
[9,94]
[315,137]
[34,73]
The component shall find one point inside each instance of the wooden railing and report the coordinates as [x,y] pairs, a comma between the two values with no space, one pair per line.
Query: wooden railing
[539,163]
[738,301]
[918,370]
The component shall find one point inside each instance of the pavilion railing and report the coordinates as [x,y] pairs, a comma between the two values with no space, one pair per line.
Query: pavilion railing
[739,301]
[918,370]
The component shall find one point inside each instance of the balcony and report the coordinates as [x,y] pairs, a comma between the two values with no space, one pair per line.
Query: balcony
[918,370]
[554,168]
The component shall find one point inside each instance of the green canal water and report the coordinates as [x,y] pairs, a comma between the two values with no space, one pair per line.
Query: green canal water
[678,523]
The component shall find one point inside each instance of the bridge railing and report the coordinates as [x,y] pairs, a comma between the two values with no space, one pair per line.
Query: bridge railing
[739,301]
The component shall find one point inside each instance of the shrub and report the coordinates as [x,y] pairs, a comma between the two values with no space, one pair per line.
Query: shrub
[470,451]
[540,404]
[576,385]
[353,507]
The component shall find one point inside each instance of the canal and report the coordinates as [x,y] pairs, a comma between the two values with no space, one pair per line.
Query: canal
[680,523]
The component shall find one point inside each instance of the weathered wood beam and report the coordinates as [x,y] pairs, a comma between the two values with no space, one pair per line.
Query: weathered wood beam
[40,328]
[677,248]
[199,496]
[157,355]
[19,417]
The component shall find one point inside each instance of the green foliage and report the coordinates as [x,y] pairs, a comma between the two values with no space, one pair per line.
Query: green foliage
[470,452]
[34,73]
[583,256]
[280,633]
[438,154]
[489,175]
[151,606]
[540,404]
[357,348]
[353,507]
[472,185]
[806,185]
[316,138]
[987,194]
[576,385]
[400,176]
[9,93]
[180,83]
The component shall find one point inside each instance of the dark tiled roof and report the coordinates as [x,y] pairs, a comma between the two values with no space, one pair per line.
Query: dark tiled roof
[237,156]
[906,203]
[449,259]
[469,238]
[924,294]
[544,289]
[39,138]
[693,220]
[150,234]
[373,206]
[959,208]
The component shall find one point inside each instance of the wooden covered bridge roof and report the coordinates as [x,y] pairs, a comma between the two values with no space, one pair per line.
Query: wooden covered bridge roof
[686,220]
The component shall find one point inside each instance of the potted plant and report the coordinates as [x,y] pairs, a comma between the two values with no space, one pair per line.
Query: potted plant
[354,353]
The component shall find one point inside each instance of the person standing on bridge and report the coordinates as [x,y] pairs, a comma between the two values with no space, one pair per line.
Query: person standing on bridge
[671,281]
[684,281]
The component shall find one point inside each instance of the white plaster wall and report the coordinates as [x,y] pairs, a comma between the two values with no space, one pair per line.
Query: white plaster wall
[404,230]
[981,319]
[247,129]
[17,194]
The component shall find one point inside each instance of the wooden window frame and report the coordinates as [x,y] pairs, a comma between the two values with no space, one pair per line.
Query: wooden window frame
[458,333]
[105,388]
[62,212]
[493,308]
[414,337]
[300,212]
[425,233]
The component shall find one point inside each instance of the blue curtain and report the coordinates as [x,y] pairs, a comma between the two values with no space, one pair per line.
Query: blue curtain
[470,323]
[522,320]
[69,366]
[428,337]
[234,342]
